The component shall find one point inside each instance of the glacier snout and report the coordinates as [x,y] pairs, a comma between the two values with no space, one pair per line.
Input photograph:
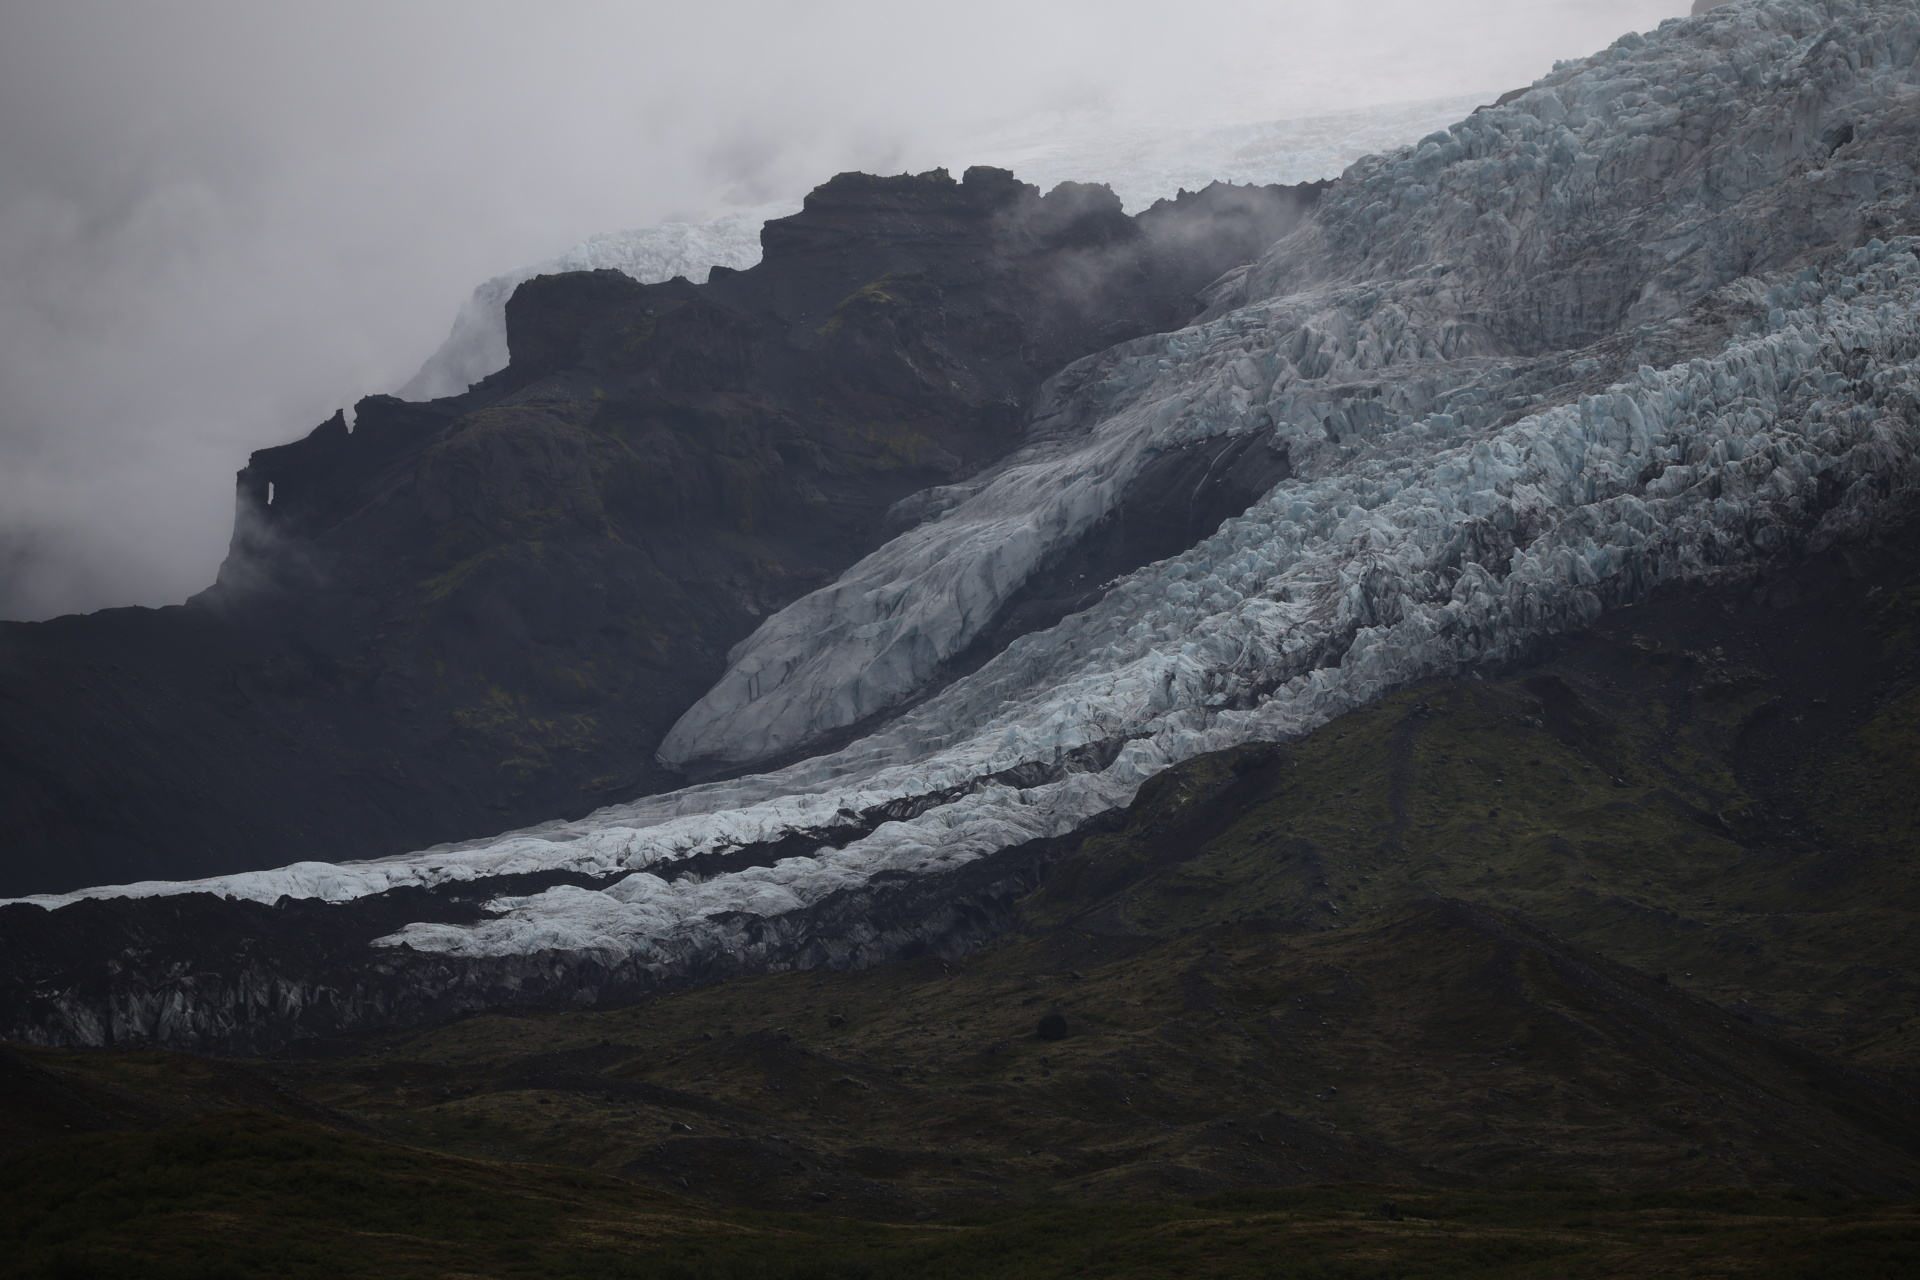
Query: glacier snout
[1655,320]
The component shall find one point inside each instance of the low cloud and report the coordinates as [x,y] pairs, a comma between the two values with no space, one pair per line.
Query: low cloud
[221,220]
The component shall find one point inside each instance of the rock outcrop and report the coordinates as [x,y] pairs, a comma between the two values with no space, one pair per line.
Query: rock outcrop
[1651,323]
[485,610]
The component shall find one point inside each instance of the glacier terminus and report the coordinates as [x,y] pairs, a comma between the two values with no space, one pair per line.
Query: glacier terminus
[1653,320]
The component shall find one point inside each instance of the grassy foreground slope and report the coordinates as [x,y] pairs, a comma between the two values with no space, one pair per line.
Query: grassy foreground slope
[1535,956]
[250,1195]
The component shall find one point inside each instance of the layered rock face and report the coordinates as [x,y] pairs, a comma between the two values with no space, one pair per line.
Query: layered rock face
[1652,321]
[487,609]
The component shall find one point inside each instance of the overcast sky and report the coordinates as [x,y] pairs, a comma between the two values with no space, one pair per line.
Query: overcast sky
[220,220]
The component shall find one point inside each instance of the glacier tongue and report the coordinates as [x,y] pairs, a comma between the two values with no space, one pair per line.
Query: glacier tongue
[1609,335]
[1403,566]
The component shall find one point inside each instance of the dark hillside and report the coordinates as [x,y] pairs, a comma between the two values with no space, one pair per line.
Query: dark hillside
[1638,912]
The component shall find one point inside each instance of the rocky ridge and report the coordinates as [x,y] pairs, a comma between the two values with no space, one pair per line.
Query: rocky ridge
[464,614]
[1463,486]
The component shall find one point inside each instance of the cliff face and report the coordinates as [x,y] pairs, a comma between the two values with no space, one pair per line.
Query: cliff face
[485,610]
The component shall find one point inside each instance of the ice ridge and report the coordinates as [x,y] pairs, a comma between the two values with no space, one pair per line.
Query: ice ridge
[1631,328]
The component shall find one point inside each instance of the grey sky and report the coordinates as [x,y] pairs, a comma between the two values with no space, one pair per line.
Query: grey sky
[221,220]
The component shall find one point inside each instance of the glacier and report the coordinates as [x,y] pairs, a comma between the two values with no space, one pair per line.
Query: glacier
[1141,165]
[477,346]
[1145,163]
[1655,320]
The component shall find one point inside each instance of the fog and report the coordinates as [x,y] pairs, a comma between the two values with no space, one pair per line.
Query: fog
[220,220]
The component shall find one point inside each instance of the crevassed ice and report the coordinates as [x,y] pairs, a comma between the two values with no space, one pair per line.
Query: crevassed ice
[1449,525]
[1384,564]
[1548,224]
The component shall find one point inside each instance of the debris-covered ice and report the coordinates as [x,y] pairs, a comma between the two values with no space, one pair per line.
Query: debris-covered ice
[1648,322]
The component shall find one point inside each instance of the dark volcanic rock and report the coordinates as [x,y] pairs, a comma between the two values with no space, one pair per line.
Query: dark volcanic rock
[471,614]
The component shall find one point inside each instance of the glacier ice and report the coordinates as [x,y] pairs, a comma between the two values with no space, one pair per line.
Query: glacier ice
[1639,325]
[1416,268]
[1145,163]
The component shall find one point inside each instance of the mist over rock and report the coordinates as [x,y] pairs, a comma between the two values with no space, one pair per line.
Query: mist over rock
[1141,167]
[1434,291]
[477,345]
[486,609]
